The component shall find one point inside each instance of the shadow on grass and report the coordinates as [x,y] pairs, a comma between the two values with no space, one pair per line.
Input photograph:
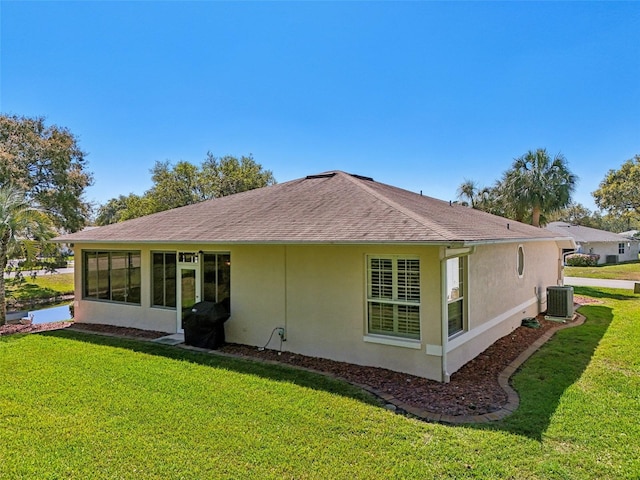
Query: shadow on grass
[543,379]
[275,372]
[599,292]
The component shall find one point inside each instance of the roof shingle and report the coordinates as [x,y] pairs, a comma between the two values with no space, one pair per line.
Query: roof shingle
[333,207]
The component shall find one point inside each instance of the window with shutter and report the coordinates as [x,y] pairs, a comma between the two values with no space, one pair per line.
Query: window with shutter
[393,296]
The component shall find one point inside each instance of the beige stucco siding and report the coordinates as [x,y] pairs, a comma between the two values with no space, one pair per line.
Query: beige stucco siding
[324,290]
[318,294]
[141,316]
[499,298]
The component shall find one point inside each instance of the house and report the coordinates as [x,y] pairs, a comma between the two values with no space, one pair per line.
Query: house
[351,269]
[611,247]
[631,234]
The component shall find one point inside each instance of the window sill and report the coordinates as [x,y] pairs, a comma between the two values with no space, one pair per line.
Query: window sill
[392,341]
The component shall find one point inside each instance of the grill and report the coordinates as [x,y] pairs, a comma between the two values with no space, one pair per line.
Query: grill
[204,325]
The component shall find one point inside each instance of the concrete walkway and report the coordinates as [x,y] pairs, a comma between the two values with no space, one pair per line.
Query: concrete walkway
[599,282]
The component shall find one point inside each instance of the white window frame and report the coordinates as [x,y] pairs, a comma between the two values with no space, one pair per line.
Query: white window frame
[394,299]
[461,297]
[621,248]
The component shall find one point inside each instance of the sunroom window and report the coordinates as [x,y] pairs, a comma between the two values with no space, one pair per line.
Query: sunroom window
[393,296]
[163,279]
[112,276]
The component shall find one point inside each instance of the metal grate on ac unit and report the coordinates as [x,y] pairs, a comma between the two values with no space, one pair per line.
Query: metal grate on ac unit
[559,304]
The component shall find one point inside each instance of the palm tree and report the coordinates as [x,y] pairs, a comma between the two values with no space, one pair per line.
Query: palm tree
[537,185]
[469,190]
[19,221]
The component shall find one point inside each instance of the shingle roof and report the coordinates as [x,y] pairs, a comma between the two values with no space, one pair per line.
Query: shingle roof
[585,234]
[333,207]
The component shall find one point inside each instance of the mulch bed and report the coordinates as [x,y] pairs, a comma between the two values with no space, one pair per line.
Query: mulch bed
[43,327]
[473,390]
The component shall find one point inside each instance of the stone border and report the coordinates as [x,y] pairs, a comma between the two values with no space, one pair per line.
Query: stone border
[513,401]
[392,403]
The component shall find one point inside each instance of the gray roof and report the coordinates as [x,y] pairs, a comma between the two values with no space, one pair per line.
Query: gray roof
[633,234]
[585,234]
[333,207]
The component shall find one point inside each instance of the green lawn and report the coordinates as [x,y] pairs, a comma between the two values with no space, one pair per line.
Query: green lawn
[44,286]
[623,271]
[74,405]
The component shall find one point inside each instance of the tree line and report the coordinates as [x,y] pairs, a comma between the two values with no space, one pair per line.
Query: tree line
[44,177]
[537,189]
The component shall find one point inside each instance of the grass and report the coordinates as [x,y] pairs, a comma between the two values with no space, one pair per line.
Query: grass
[44,286]
[73,405]
[622,271]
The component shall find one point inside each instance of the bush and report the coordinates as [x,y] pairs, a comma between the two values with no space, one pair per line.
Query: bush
[582,260]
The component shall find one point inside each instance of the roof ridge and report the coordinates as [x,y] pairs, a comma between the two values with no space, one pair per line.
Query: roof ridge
[405,211]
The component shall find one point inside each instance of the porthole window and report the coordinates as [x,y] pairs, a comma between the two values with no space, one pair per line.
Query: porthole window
[520,261]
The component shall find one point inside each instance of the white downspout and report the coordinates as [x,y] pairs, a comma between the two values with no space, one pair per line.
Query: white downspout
[286,303]
[444,314]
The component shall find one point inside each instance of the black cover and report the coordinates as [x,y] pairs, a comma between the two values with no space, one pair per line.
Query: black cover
[204,325]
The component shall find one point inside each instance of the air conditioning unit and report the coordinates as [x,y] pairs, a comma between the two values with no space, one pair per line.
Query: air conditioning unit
[611,259]
[560,303]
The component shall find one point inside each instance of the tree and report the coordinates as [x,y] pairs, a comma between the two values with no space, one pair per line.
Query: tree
[125,208]
[468,190]
[20,222]
[184,184]
[46,163]
[228,175]
[619,192]
[536,186]
[576,214]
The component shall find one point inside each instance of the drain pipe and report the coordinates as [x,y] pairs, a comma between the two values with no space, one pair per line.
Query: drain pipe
[283,335]
[444,314]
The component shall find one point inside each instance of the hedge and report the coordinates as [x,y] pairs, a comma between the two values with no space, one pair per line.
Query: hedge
[582,260]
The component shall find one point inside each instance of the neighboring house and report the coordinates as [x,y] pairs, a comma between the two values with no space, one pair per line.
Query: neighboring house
[635,234]
[612,247]
[353,270]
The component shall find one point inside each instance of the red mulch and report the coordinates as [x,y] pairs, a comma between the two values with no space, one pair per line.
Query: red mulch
[43,327]
[473,390]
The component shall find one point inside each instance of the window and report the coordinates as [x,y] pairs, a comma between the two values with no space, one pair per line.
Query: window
[520,261]
[456,294]
[217,277]
[163,279]
[112,276]
[393,296]
[621,248]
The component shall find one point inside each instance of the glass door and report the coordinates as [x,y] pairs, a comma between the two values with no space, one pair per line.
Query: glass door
[188,290]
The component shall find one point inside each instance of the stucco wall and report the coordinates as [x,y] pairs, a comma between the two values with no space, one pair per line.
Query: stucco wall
[320,299]
[141,316]
[499,298]
[318,293]
[611,248]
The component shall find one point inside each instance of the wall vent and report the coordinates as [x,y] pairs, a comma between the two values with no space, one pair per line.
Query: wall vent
[560,302]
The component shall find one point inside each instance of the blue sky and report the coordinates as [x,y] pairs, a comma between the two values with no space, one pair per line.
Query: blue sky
[420,95]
